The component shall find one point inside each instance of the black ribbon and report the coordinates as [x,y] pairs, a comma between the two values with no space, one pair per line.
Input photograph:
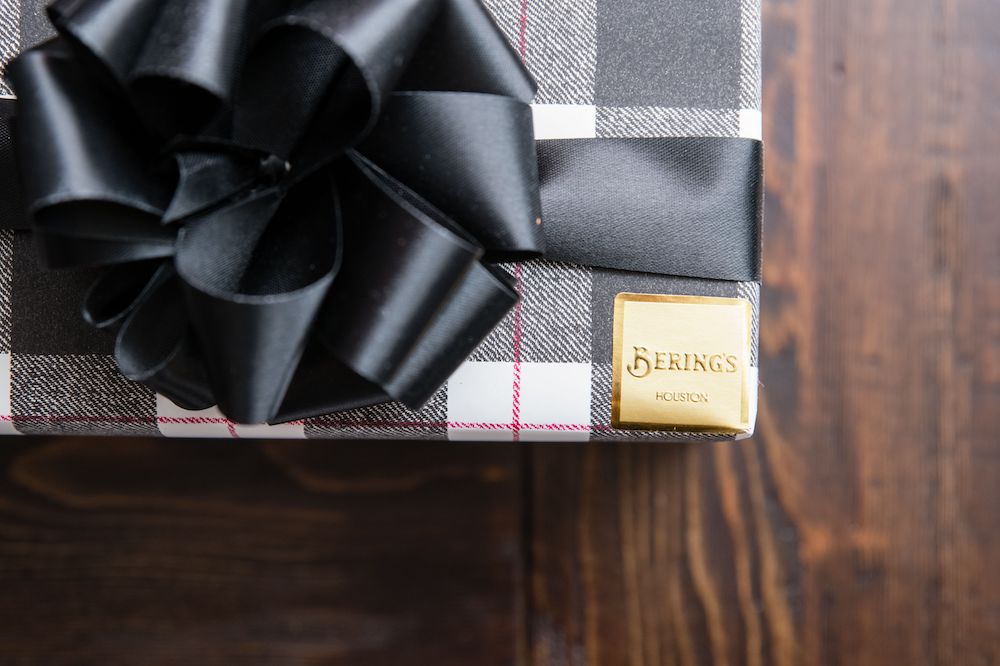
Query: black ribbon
[300,201]
[688,206]
[274,179]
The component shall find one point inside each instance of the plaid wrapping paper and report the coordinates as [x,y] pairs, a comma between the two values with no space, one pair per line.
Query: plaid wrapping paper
[605,68]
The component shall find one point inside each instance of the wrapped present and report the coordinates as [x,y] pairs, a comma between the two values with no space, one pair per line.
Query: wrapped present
[408,219]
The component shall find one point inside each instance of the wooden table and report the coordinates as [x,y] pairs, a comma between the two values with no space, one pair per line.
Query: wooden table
[859,527]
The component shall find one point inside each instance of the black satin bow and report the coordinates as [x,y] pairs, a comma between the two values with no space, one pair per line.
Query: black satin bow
[297,198]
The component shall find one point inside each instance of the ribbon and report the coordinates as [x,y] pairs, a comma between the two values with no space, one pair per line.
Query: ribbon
[299,202]
[685,206]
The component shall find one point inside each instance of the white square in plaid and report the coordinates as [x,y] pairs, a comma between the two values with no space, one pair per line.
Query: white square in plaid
[481,402]
[554,402]
[294,430]
[174,421]
[751,124]
[564,121]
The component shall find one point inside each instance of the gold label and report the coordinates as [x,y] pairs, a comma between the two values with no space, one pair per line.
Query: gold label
[681,363]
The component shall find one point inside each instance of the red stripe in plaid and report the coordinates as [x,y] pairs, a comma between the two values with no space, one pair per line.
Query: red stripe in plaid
[188,420]
[462,425]
[522,47]
[522,41]
[516,389]
[208,420]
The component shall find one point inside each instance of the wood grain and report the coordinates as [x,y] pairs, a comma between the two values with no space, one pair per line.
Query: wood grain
[860,526]
[174,552]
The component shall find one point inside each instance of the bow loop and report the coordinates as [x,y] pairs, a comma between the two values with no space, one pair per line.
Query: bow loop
[379,36]
[154,345]
[255,275]
[487,181]
[209,150]
[463,32]
[404,285]
[81,147]
[189,63]
[108,33]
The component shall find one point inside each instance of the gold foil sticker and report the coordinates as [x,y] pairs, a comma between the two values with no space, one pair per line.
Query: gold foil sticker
[681,363]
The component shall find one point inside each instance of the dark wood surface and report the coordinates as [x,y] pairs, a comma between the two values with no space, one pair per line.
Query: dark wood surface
[208,552]
[859,527]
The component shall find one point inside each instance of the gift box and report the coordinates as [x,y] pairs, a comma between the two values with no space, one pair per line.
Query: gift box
[639,322]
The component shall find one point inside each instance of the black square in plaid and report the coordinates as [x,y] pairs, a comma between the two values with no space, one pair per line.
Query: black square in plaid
[34,23]
[46,306]
[698,67]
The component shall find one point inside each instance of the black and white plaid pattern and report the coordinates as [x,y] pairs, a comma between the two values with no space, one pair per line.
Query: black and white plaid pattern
[606,68]
[10,35]
[71,394]
[555,306]
[392,421]
[6,270]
